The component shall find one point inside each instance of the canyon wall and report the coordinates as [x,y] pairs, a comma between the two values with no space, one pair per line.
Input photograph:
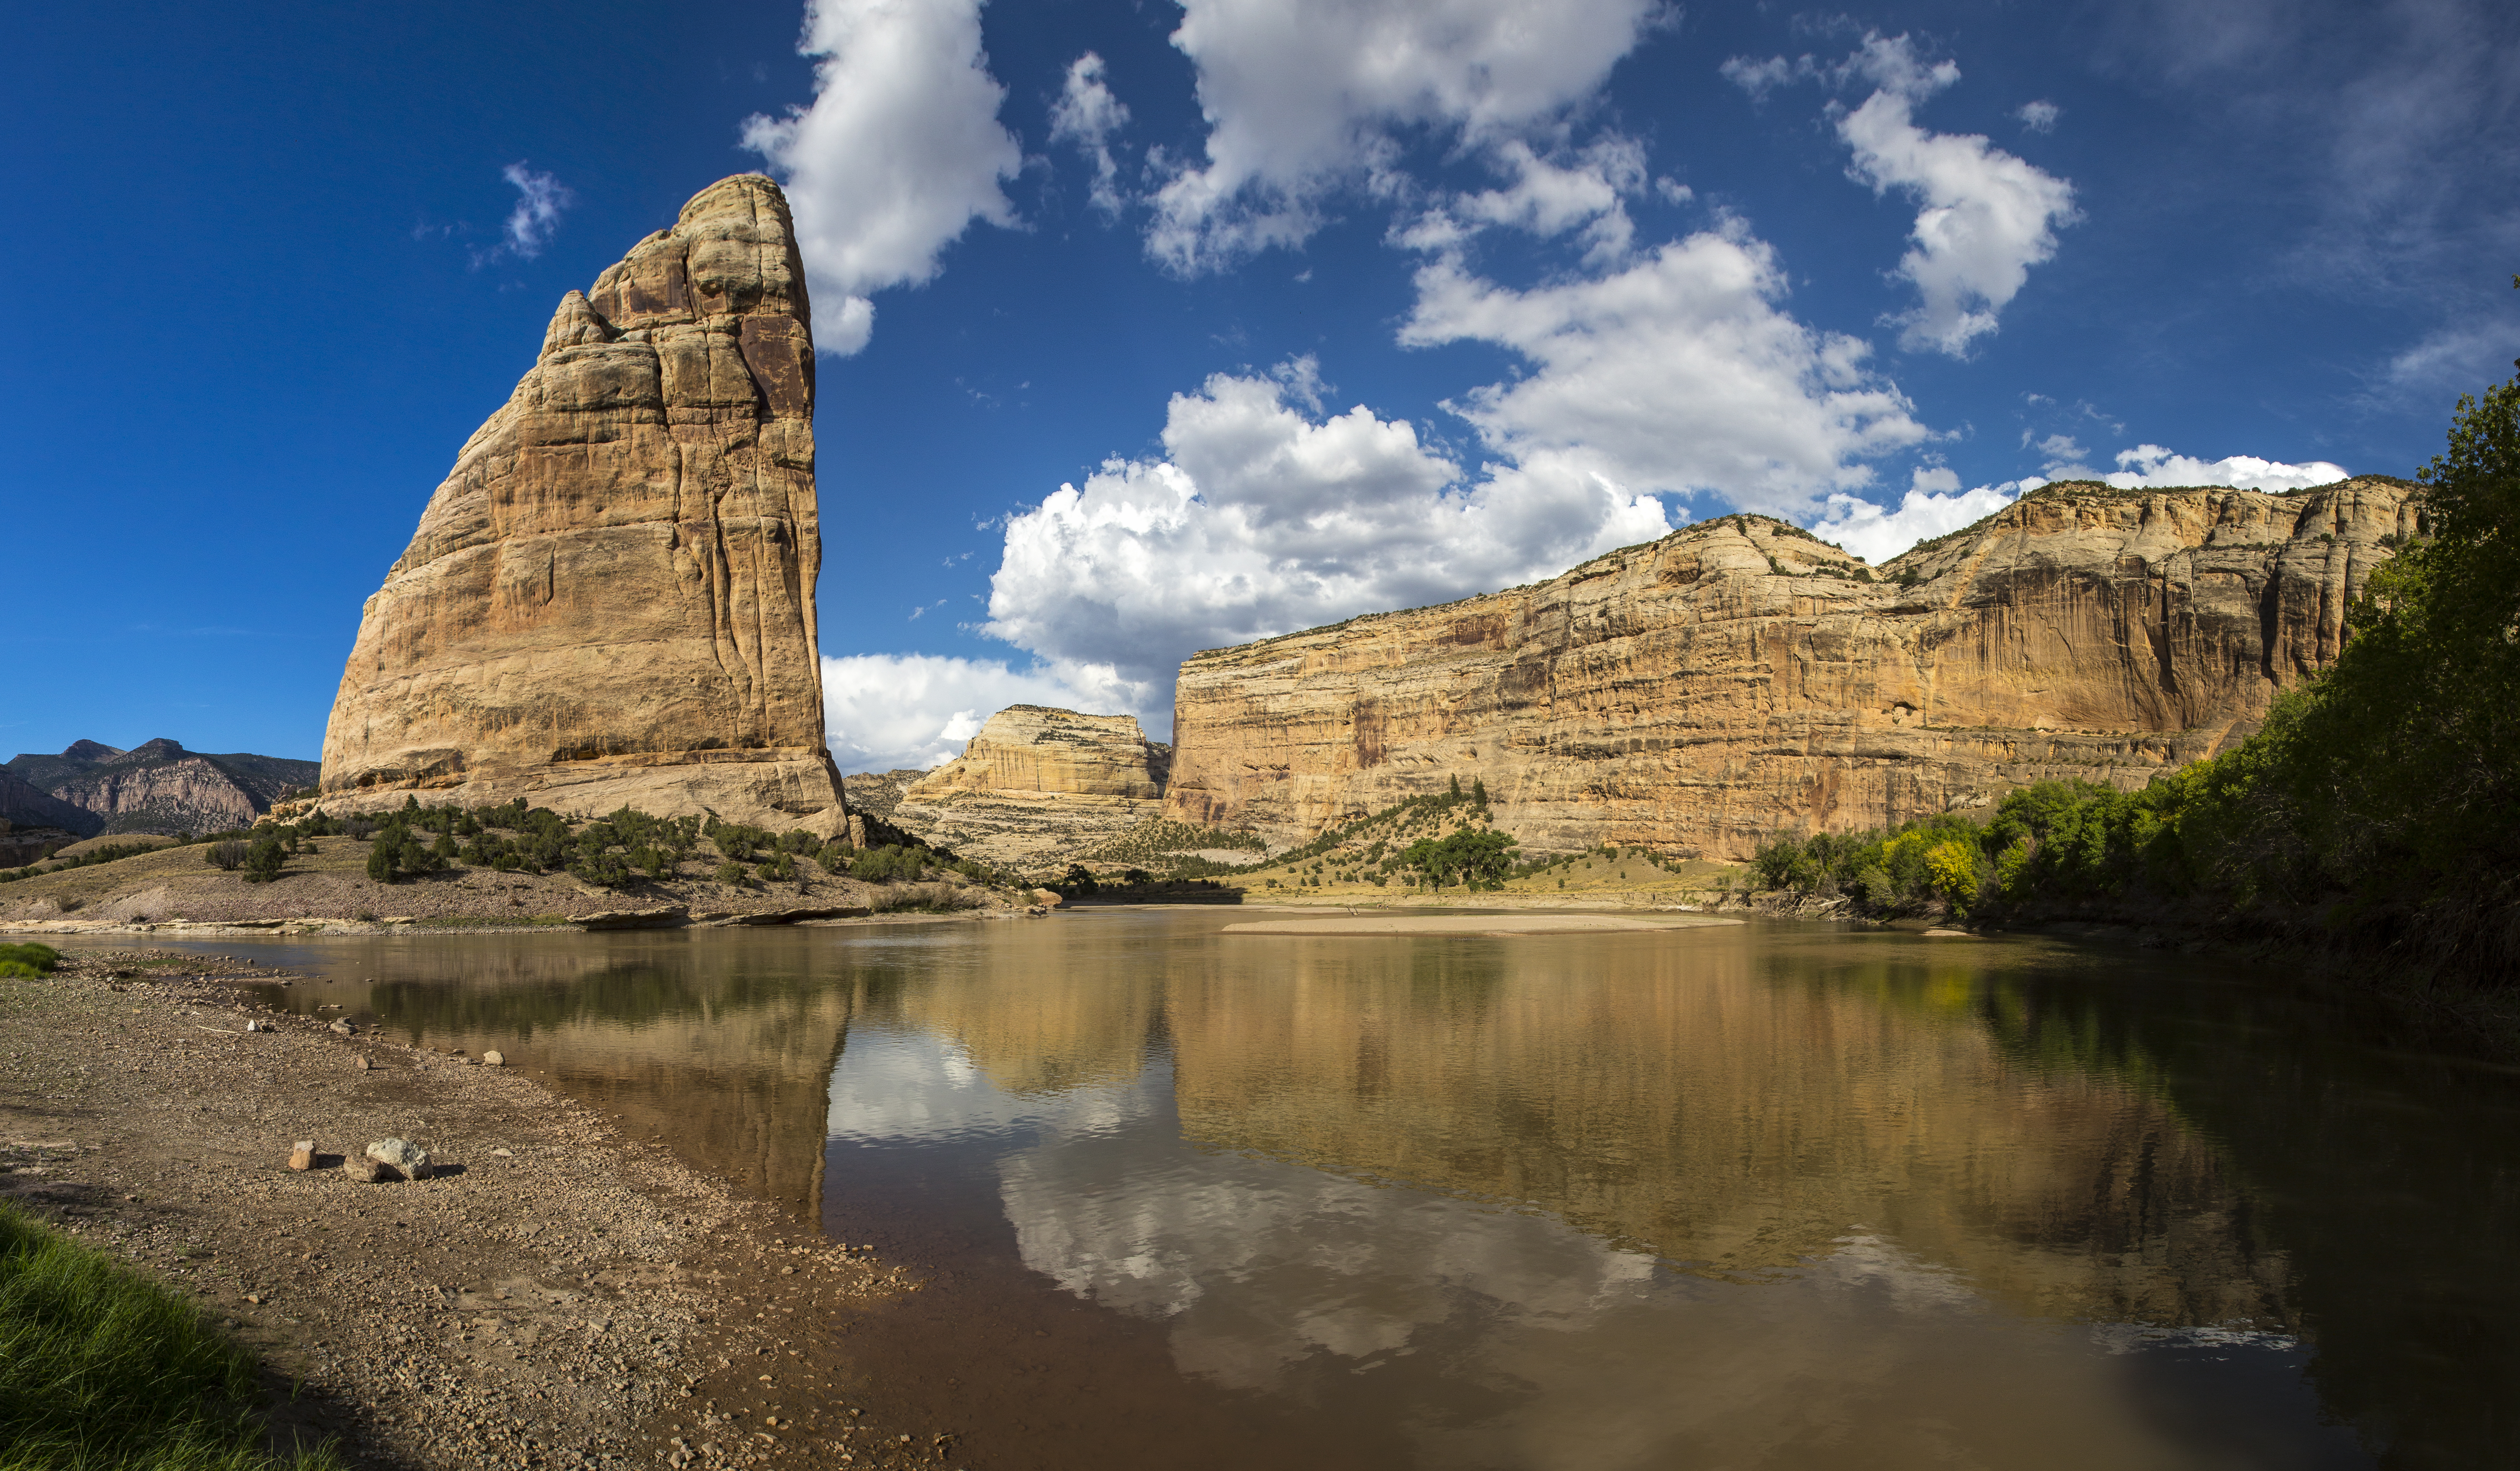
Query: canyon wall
[1037,787]
[1736,678]
[611,599]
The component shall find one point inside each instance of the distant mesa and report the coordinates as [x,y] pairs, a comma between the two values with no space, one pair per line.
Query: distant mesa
[1037,785]
[610,598]
[157,786]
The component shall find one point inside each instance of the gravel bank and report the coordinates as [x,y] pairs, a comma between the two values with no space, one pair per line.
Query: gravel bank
[557,1296]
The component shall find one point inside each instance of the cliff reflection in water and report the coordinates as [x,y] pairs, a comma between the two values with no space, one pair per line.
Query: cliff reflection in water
[1602,1200]
[1674,1099]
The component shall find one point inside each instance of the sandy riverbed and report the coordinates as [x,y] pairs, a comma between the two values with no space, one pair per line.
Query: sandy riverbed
[563,1297]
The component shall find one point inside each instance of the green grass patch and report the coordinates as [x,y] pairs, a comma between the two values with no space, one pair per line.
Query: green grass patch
[28,960]
[101,1367]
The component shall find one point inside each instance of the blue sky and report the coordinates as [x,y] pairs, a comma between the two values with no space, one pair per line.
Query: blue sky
[1313,308]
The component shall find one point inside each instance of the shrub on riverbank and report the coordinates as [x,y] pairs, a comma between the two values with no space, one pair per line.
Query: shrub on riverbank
[101,1367]
[28,960]
[935,898]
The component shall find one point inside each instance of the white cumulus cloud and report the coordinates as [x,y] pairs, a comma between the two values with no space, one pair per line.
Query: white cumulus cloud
[1587,187]
[884,711]
[1087,114]
[1264,517]
[1306,97]
[539,203]
[1679,372]
[2149,464]
[1986,216]
[1934,504]
[899,151]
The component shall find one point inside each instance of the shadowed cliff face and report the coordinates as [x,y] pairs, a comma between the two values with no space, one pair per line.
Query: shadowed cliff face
[1738,678]
[611,599]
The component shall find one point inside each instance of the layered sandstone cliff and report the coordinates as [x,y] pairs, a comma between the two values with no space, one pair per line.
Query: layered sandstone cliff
[611,599]
[1738,678]
[1037,787]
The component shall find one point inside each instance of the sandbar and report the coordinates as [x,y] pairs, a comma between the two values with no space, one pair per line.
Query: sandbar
[1471,924]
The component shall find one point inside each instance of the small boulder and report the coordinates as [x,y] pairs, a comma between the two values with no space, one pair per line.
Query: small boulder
[368,1172]
[363,1064]
[493,1059]
[404,1157]
[345,1027]
[302,1156]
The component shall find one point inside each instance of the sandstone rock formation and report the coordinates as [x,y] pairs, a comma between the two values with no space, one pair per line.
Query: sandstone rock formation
[1738,678]
[156,787]
[1038,787]
[611,599]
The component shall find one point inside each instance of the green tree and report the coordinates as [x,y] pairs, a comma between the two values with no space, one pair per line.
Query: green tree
[2408,759]
[1479,858]
[264,860]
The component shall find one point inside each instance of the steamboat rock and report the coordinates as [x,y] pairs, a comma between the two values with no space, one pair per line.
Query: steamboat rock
[1037,788]
[1740,678]
[609,600]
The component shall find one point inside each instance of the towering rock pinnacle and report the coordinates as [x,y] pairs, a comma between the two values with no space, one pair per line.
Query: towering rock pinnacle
[611,599]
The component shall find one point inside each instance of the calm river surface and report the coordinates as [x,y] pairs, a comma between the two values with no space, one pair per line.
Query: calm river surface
[1765,1195]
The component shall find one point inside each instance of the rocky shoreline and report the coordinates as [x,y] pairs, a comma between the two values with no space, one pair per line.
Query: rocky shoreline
[557,1294]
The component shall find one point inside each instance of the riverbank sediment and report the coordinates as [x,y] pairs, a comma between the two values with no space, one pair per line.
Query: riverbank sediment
[556,1295]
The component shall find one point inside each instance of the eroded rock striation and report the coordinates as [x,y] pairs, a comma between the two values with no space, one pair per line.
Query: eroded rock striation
[1738,678]
[611,599]
[1037,787]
